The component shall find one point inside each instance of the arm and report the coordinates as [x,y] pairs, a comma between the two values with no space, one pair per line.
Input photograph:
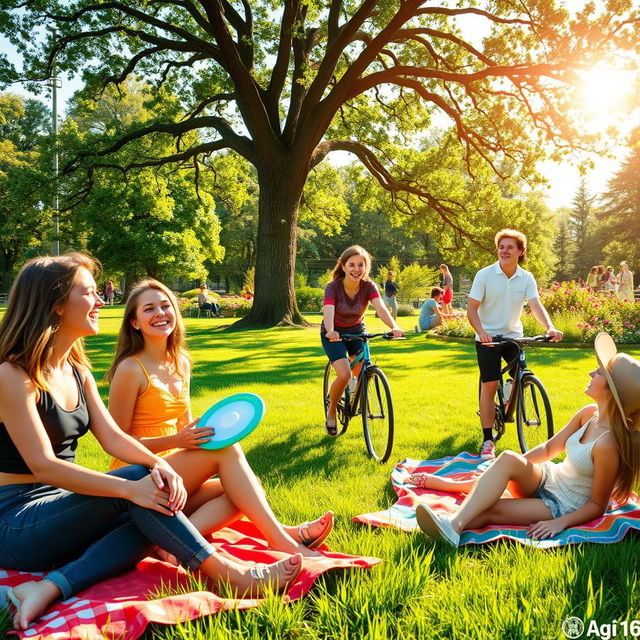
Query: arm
[541,315]
[328,317]
[555,446]
[474,319]
[386,317]
[20,416]
[605,468]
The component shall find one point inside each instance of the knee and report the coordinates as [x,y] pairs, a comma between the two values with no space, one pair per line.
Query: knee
[510,459]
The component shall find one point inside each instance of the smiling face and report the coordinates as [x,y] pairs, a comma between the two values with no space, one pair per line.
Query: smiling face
[355,268]
[79,314]
[598,388]
[155,316]
[508,252]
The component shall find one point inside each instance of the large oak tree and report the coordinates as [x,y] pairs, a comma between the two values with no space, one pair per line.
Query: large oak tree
[284,84]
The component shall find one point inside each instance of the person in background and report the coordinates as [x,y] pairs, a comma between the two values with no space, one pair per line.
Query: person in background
[625,282]
[206,304]
[109,292]
[391,289]
[609,281]
[447,288]
[430,315]
[494,308]
[592,279]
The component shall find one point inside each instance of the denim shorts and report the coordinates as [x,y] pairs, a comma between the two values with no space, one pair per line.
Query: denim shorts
[548,498]
[340,349]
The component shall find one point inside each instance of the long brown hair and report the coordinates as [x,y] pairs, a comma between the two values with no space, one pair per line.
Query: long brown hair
[627,439]
[353,250]
[131,341]
[28,328]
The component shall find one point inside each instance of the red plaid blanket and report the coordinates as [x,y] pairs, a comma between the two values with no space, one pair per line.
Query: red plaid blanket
[122,606]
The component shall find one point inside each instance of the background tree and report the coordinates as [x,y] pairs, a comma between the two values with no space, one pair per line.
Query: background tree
[285,85]
[582,221]
[564,247]
[620,211]
[150,221]
[25,218]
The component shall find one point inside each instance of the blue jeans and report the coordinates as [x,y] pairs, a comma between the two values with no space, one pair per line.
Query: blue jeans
[86,539]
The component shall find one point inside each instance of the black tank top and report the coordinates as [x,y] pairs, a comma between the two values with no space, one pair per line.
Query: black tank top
[63,428]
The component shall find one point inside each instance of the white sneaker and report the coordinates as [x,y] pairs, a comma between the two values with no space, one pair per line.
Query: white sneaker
[436,526]
[488,450]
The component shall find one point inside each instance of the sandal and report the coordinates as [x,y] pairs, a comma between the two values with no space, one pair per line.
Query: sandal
[419,479]
[331,428]
[314,543]
[8,600]
[266,573]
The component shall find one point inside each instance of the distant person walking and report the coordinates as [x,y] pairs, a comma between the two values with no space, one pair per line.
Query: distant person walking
[109,292]
[447,288]
[625,282]
[391,289]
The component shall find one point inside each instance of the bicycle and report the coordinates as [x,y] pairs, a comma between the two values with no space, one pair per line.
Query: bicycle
[375,396]
[527,399]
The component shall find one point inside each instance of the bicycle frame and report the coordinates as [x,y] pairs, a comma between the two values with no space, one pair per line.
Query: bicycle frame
[353,398]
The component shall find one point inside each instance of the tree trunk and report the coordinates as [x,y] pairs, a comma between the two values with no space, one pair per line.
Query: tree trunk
[275,299]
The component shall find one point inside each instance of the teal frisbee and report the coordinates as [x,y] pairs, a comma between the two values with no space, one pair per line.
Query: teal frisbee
[232,418]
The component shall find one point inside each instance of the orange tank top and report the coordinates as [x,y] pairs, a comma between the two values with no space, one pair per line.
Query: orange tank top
[156,413]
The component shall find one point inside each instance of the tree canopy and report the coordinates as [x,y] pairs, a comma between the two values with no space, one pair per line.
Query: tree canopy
[285,84]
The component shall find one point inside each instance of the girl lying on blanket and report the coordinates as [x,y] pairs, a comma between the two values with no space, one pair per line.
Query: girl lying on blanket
[602,445]
[149,399]
[86,525]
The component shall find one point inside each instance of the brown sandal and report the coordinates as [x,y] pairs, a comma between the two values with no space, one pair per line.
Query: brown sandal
[314,543]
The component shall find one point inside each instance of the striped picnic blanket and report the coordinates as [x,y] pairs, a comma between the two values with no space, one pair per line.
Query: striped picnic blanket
[123,606]
[612,527]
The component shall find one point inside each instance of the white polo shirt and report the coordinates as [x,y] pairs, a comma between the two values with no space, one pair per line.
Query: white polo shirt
[501,299]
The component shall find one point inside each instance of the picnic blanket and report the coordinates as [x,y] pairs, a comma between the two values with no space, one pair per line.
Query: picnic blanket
[611,527]
[123,606]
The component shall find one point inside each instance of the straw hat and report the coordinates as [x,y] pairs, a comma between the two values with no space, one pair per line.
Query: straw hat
[622,373]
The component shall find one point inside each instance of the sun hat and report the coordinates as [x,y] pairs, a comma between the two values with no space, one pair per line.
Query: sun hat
[622,373]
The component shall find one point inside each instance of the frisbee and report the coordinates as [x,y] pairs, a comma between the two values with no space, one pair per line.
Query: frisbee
[233,418]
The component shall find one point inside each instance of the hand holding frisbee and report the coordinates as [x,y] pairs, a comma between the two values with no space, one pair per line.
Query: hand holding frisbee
[232,418]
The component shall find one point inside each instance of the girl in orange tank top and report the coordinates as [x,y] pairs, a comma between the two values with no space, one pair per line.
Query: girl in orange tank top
[149,399]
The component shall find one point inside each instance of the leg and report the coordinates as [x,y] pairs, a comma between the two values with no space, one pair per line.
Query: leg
[487,403]
[510,470]
[343,373]
[242,489]
[519,511]
[439,483]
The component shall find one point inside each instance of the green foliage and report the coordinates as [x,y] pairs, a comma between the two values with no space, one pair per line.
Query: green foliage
[413,279]
[250,278]
[309,298]
[236,305]
[25,182]
[405,310]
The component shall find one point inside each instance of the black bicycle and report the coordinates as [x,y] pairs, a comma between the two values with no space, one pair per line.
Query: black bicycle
[371,399]
[522,397]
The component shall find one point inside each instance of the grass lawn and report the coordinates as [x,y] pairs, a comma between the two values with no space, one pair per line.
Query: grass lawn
[420,591]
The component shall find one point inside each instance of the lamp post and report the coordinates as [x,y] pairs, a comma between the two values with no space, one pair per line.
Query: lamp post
[55,83]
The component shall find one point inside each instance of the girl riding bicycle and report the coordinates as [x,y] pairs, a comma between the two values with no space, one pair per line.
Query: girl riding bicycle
[346,299]
[602,445]
[149,399]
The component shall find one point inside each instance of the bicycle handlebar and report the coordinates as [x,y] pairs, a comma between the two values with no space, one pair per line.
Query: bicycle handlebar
[367,336]
[519,341]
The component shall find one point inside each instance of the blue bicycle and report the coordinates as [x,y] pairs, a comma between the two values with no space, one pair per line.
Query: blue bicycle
[371,399]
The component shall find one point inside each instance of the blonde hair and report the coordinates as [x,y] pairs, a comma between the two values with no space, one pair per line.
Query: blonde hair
[353,250]
[131,341]
[28,329]
[627,439]
[518,236]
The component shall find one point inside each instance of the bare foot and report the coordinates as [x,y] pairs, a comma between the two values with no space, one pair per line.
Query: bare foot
[421,480]
[34,598]
[165,556]
[312,534]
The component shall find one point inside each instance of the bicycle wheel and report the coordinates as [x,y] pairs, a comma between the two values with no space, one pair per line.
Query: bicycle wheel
[533,414]
[377,415]
[342,413]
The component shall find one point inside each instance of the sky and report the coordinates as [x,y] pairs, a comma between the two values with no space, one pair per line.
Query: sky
[601,96]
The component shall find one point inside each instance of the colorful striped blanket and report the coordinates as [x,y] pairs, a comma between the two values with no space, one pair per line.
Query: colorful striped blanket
[123,606]
[612,527]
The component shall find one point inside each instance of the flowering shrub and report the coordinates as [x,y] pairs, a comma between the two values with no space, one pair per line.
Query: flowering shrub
[581,315]
[236,305]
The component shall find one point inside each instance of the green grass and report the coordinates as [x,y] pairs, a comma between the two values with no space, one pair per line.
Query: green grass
[420,591]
